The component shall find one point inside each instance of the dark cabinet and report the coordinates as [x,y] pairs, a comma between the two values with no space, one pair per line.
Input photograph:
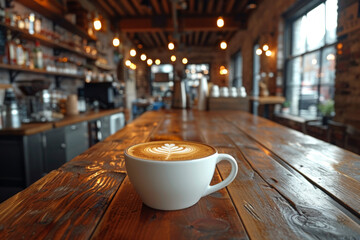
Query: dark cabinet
[54,148]
[76,139]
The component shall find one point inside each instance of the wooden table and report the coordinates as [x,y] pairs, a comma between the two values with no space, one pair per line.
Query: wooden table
[266,101]
[289,186]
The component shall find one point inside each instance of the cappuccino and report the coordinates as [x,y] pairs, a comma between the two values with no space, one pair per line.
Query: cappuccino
[170,150]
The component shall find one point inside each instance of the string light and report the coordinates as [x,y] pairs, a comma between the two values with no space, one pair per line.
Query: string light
[223,45]
[184,60]
[268,53]
[171,46]
[132,66]
[127,63]
[220,22]
[265,47]
[133,52]
[173,58]
[258,51]
[116,42]
[97,23]
[149,62]
[143,57]
[157,61]
[223,70]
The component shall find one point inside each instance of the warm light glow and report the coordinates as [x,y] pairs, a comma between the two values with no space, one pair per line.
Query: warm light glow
[149,62]
[268,53]
[116,42]
[133,52]
[143,57]
[220,22]
[265,47]
[223,70]
[132,66]
[127,63]
[171,46]
[32,17]
[157,61]
[330,57]
[97,24]
[223,45]
[339,46]
[173,58]
[184,61]
[258,51]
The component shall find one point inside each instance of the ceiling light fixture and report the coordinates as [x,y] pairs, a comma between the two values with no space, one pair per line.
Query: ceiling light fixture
[149,62]
[223,45]
[258,51]
[171,46]
[220,22]
[265,47]
[143,57]
[173,58]
[268,53]
[184,60]
[157,61]
[116,41]
[133,52]
[97,22]
[127,63]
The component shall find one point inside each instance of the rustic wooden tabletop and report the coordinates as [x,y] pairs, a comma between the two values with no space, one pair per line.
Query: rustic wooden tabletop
[289,186]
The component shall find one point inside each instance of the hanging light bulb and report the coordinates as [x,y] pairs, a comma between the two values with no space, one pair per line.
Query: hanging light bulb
[149,62]
[143,57]
[133,52]
[132,66]
[157,61]
[171,46]
[220,22]
[116,41]
[184,61]
[265,47]
[127,63]
[97,22]
[223,45]
[258,51]
[268,53]
[173,58]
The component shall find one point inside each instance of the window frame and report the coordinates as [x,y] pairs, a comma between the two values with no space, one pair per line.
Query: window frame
[300,9]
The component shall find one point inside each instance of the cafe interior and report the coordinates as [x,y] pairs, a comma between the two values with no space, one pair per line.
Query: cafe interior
[76,75]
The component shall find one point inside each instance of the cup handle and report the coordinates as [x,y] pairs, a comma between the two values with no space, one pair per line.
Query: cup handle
[229,179]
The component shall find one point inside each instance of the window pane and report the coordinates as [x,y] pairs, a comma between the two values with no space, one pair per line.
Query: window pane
[299,36]
[328,66]
[331,20]
[315,27]
[326,93]
[311,70]
[292,96]
[294,71]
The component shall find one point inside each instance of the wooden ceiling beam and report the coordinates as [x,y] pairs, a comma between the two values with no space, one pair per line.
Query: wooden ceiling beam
[103,6]
[219,7]
[210,6]
[116,6]
[147,24]
[165,6]
[192,6]
[140,8]
[156,6]
[127,7]
[229,6]
[196,38]
[200,6]
[155,39]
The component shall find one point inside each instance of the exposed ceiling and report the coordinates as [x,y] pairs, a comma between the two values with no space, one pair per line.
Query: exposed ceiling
[188,23]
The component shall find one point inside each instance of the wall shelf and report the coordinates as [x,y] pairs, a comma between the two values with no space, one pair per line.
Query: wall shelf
[46,9]
[47,42]
[14,70]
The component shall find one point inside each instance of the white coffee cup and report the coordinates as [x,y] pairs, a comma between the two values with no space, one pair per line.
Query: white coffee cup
[175,184]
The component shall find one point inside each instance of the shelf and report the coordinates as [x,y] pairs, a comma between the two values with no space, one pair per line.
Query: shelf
[104,67]
[46,9]
[47,42]
[40,71]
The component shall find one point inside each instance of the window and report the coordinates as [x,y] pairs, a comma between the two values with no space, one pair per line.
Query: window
[236,67]
[310,62]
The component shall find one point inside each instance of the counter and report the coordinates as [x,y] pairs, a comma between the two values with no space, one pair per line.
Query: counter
[33,128]
[289,186]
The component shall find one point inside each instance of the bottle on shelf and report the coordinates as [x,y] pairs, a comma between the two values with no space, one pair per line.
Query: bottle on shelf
[20,60]
[38,56]
[10,49]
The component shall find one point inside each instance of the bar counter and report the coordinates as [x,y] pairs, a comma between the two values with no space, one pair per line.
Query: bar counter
[289,186]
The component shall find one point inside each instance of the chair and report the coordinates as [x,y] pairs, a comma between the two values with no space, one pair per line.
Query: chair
[352,139]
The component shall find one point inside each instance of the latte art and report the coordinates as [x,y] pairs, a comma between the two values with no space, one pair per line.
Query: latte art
[170,150]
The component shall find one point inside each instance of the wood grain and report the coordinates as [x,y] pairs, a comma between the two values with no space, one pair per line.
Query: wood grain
[334,170]
[70,201]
